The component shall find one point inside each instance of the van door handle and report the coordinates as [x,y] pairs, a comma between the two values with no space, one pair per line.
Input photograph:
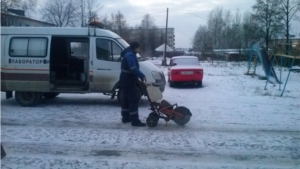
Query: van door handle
[103,69]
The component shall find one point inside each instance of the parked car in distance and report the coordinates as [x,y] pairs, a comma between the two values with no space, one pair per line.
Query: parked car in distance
[185,70]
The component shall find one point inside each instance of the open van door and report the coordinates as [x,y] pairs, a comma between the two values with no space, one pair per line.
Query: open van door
[69,64]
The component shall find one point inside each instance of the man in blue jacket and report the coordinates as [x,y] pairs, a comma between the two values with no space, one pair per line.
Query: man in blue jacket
[130,74]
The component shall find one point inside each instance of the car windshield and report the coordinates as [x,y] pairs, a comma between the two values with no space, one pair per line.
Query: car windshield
[186,61]
[125,45]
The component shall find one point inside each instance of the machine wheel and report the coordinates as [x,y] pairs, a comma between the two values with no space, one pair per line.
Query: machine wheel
[50,95]
[28,99]
[120,95]
[186,115]
[152,120]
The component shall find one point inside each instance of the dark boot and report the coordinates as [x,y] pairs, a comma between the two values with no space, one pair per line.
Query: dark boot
[125,115]
[126,119]
[138,123]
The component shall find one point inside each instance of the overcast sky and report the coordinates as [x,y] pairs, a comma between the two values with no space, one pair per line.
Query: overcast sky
[185,16]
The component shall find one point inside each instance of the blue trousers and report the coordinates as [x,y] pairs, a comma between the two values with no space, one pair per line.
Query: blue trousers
[130,103]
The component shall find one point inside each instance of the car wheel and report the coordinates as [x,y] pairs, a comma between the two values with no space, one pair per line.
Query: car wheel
[28,99]
[171,84]
[50,95]
[120,95]
[199,84]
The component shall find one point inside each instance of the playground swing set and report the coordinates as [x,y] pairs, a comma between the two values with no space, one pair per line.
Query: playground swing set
[268,66]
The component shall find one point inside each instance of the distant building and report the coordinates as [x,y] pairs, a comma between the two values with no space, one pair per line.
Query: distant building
[171,36]
[14,17]
[294,40]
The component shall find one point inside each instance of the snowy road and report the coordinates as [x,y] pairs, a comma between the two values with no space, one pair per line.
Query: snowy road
[235,124]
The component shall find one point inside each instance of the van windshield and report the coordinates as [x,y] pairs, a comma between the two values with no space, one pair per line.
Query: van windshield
[123,42]
[125,45]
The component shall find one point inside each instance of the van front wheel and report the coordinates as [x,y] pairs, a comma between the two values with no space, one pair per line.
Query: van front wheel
[28,99]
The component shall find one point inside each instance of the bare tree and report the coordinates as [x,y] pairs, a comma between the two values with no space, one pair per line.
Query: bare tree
[82,12]
[216,24]
[26,5]
[149,38]
[118,24]
[93,7]
[288,9]
[203,40]
[62,13]
[267,15]
[89,11]
[226,29]
[250,30]
[107,23]
[5,4]
[236,31]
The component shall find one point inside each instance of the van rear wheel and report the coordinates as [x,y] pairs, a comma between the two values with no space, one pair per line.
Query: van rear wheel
[50,95]
[28,99]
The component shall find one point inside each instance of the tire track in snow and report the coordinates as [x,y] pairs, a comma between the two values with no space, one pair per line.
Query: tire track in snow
[134,145]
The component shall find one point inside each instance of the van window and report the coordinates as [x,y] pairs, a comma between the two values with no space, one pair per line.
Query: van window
[37,47]
[107,50]
[79,49]
[116,51]
[28,47]
[18,47]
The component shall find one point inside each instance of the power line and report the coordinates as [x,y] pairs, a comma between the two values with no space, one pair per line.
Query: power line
[146,14]
[176,30]
[190,14]
[171,12]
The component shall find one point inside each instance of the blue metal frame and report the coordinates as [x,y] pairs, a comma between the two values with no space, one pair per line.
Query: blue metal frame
[280,72]
[268,76]
[288,76]
[254,48]
[286,81]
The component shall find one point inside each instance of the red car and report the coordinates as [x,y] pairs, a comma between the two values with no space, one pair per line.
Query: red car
[185,69]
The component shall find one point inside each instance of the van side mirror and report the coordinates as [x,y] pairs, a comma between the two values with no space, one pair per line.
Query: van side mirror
[173,64]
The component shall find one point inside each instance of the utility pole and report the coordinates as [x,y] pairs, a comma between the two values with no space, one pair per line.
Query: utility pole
[164,62]
[82,14]
[288,28]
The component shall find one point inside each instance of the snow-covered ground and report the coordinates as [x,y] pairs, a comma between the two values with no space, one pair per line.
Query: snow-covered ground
[235,124]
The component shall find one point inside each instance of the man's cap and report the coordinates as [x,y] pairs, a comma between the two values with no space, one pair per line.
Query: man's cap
[134,45]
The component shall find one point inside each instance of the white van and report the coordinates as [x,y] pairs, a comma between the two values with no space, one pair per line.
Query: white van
[41,62]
